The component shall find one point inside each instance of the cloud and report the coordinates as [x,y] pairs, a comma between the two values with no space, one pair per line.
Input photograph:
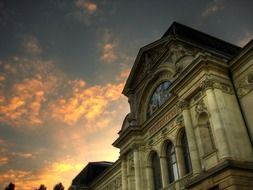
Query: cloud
[123,75]
[3,160]
[31,45]
[108,53]
[88,6]
[84,102]
[213,7]
[248,35]
[26,86]
[108,47]
[49,174]
[34,94]
[84,11]
[22,155]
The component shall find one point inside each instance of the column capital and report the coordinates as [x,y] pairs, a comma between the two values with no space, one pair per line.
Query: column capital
[183,104]
[207,83]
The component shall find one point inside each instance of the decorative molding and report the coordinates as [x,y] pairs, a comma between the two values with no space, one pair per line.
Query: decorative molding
[207,83]
[245,85]
[175,59]
[167,117]
[148,60]
[196,97]
[201,108]
[179,120]
[115,184]
[210,83]
[183,104]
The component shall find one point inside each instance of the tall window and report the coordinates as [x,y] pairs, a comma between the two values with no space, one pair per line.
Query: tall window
[156,172]
[159,97]
[172,163]
[186,153]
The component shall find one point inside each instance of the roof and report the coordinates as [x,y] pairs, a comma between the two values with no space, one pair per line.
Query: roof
[202,39]
[91,171]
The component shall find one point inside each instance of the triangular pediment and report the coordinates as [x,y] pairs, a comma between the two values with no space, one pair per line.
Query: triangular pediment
[162,51]
[145,61]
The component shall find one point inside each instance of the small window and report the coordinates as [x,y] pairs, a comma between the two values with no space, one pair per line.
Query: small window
[172,163]
[159,97]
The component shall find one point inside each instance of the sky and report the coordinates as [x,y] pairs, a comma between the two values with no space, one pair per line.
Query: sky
[63,65]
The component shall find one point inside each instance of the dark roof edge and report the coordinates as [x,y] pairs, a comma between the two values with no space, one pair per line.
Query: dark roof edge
[191,34]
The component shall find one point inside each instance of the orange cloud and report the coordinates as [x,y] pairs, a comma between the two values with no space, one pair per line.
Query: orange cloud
[24,105]
[23,94]
[108,53]
[123,75]
[23,155]
[87,5]
[84,103]
[3,160]
[50,175]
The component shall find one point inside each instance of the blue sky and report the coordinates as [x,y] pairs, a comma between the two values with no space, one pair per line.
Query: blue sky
[63,64]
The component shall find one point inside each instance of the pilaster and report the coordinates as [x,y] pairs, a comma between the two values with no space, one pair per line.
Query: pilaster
[193,149]
[164,171]
[124,173]
[218,127]
[137,171]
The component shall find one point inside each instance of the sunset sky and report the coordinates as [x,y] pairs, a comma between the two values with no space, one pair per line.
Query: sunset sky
[63,65]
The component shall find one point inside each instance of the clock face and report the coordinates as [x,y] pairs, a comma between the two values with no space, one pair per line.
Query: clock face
[159,97]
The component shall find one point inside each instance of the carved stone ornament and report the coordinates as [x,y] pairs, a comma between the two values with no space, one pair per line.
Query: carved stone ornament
[176,56]
[200,108]
[179,120]
[183,104]
[115,184]
[207,84]
[148,60]
[245,85]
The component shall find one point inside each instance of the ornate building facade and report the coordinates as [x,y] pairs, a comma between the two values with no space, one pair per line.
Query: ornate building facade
[191,119]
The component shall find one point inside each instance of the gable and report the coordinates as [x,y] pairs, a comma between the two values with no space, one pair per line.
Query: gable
[151,55]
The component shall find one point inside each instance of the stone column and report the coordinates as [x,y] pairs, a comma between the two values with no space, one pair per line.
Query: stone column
[164,171]
[137,168]
[193,149]
[124,173]
[180,160]
[218,127]
[150,183]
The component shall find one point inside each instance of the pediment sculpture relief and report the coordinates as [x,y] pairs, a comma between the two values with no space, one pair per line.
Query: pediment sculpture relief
[148,60]
[179,57]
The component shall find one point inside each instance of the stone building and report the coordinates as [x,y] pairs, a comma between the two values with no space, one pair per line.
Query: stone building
[191,119]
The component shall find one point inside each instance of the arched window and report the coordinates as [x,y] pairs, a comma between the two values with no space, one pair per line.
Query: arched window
[172,162]
[159,97]
[186,153]
[156,172]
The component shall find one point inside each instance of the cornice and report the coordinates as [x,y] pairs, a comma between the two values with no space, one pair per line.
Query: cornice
[129,132]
